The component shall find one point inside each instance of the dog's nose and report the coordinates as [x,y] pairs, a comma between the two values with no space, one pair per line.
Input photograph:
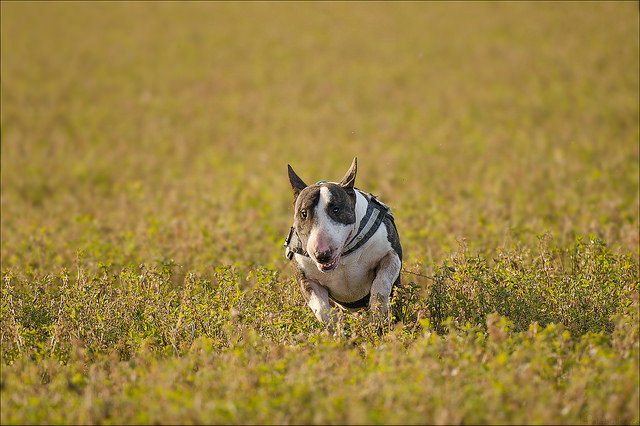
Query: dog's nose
[324,256]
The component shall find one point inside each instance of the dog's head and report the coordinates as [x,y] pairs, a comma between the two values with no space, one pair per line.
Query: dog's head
[325,217]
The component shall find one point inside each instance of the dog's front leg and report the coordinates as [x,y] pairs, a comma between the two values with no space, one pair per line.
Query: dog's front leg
[319,303]
[317,298]
[388,271]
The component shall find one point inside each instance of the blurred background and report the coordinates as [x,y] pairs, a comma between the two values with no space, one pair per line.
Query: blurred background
[141,132]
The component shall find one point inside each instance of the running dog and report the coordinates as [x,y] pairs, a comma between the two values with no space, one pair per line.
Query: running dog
[345,246]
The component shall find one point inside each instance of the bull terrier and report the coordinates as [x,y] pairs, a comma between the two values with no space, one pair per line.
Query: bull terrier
[344,245]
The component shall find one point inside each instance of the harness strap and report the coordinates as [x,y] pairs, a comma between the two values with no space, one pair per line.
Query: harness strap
[376,212]
[362,303]
[296,247]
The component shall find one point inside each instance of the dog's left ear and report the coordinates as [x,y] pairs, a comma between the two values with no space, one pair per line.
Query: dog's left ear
[349,179]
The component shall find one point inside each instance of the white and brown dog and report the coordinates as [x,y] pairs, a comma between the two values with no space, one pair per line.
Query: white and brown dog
[345,244]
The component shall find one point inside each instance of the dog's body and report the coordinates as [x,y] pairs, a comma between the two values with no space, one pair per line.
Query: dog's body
[345,245]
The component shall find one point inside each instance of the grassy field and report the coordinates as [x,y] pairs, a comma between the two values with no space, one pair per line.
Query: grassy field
[145,201]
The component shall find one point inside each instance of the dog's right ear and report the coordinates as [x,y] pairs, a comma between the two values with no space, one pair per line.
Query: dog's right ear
[296,183]
[349,179]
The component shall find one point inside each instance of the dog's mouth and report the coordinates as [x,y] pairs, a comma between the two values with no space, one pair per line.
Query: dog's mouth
[329,266]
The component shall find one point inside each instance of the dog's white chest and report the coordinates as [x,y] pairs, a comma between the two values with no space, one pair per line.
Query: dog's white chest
[352,279]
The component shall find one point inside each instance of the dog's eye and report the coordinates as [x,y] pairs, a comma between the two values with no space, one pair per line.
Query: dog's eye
[303,213]
[336,209]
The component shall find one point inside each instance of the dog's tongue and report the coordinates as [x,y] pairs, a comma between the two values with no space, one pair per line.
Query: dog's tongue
[330,266]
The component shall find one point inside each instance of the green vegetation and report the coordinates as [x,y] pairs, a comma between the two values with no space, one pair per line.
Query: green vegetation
[145,201]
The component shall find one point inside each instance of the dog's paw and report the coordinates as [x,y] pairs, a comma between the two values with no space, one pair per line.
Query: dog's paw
[328,316]
[379,305]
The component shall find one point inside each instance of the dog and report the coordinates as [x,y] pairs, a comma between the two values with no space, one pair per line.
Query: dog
[344,245]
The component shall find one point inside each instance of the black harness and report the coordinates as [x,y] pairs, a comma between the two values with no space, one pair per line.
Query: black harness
[373,218]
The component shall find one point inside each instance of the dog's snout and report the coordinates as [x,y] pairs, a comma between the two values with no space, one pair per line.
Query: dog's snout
[324,256]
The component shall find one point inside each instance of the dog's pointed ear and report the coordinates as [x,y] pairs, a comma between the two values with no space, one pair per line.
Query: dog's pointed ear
[349,179]
[296,183]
